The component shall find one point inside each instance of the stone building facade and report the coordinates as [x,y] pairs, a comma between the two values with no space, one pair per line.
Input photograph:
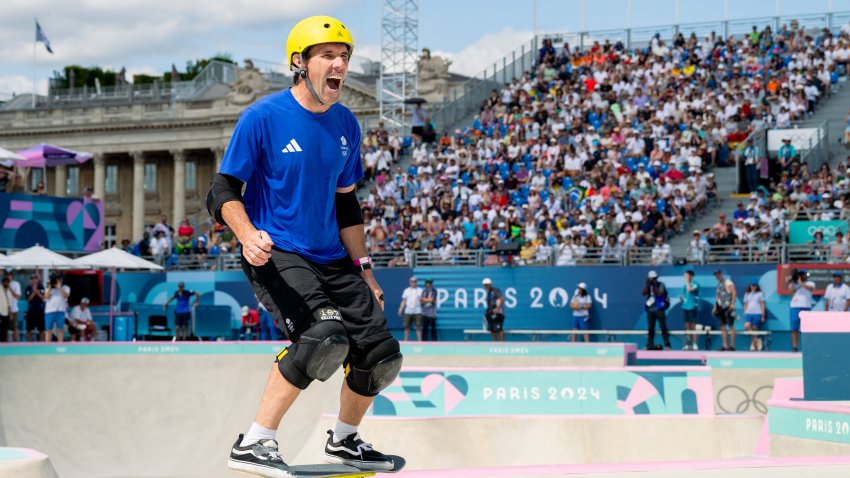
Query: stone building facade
[154,151]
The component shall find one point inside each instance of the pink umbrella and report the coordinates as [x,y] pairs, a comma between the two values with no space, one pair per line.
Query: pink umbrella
[47,156]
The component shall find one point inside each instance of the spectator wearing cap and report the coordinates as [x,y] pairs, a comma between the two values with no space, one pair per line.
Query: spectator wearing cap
[580,305]
[837,295]
[183,311]
[495,313]
[80,323]
[250,322]
[724,309]
[429,311]
[656,302]
[410,309]
[787,154]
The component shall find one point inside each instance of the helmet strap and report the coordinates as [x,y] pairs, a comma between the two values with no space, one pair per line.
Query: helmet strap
[302,71]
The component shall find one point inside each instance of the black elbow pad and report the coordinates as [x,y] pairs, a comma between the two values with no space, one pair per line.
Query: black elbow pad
[348,212]
[223,188]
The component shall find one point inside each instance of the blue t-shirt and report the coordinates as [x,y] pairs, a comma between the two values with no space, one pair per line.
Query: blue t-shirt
[292,161]
[183,301]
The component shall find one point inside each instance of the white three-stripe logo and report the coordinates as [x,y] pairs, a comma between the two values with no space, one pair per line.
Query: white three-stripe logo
[292,147]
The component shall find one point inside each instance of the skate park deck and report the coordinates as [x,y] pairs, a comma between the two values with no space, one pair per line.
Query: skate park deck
[103,410]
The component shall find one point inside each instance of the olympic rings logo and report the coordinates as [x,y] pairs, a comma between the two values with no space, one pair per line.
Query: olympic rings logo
[734,399]
[826,230]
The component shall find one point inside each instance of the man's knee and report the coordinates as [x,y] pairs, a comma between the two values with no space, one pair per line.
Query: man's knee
[318,353]
[374,367]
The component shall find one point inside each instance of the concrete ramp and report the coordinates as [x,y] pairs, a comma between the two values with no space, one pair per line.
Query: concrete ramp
[821,467]
[25,463]
[147,414]
[543,440]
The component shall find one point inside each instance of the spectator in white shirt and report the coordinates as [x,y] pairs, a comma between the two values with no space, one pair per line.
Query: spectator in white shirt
[159,247]
[754,313]
[837,295]
[14,297]
[801,301]
[410,309]
[661,252]
[81,324]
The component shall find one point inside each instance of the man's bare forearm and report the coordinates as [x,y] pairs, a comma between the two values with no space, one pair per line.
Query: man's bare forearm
[233,213]
[354,240]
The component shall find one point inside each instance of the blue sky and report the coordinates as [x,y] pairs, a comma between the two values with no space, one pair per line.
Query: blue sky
[147,36]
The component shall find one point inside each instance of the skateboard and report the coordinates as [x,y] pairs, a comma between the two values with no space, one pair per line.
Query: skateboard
[342,471]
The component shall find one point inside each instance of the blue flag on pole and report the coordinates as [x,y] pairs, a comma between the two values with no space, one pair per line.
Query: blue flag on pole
[41,37]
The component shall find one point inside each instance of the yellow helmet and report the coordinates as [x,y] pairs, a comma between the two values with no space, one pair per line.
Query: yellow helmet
[315,30]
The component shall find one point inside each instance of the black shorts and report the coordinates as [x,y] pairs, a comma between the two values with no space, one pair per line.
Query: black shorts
[725,315]
[417,130]
[293,288]
[35,320]
[182,319]
[495,322]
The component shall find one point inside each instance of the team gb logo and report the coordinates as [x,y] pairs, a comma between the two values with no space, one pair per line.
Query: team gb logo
[343,146]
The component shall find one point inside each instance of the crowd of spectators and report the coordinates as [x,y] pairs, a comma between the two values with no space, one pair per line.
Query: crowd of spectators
[186,246]
[762,223]
[594,152]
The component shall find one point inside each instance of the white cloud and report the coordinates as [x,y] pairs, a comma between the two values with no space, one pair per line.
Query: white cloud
[17,84]
[104,31]
[491,47]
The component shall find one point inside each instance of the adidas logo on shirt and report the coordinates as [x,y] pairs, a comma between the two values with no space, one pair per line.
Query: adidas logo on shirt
[292,147]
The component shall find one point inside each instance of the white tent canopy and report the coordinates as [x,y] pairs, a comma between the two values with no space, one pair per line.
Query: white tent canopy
[6,155]
[37,257]
[115,258]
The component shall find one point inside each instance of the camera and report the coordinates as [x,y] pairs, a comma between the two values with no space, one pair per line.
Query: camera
[798,275]
[55,279]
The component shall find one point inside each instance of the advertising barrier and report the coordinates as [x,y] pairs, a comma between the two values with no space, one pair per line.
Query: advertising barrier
[59,224]
[535,297]
[801,232]
[548,391]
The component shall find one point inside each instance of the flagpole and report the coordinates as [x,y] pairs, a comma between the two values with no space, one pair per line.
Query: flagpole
[34,44]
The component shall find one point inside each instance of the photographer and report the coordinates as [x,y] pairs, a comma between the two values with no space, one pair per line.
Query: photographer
[657,302]
[801,301]
[55,308]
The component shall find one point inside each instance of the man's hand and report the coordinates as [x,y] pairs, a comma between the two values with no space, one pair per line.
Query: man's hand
[256,247]
[376,289]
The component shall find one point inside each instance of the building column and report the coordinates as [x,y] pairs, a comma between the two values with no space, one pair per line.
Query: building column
[218,151]
[100,176]
[179,186]
[138,195]
[60,175]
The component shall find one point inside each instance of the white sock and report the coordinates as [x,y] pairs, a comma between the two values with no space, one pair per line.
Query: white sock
[256,433]
[342,430]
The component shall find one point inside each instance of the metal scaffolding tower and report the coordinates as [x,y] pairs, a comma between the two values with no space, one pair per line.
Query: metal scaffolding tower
[399,59]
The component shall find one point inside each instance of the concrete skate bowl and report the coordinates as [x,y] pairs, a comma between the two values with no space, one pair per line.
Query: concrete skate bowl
[169,410]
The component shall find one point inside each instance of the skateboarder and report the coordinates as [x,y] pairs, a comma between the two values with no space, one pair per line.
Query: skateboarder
[304,250]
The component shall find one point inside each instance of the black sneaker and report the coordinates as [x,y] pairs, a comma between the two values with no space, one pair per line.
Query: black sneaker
[261,458]
[353,451]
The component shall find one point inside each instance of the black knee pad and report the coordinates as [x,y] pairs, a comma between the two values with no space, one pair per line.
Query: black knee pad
[318,353]
[374,367]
